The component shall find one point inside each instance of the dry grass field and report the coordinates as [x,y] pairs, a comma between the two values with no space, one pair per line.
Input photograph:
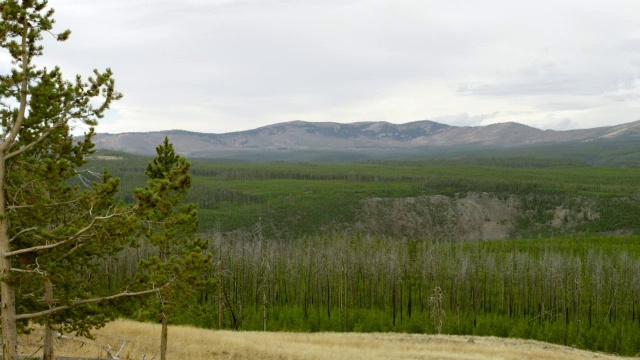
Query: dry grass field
[197,344]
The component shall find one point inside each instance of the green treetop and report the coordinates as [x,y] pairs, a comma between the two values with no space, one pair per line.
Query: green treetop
[170,225]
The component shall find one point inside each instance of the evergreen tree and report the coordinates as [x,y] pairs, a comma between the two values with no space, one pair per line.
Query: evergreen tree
[170,225]
[52,234]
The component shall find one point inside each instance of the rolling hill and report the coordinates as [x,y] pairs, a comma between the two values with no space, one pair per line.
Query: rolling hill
[327,141]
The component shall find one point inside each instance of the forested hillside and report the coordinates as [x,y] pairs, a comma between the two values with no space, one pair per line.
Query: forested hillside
[621,150]
[407,199]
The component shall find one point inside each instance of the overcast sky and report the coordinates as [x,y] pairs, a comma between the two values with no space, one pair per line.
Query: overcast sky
[229,65]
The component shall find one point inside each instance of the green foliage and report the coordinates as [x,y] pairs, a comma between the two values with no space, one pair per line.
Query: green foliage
[169,225]
[323,275]
[166,218]
[290,200]
[580,291]
[286,245]
[52,232]
[58,223]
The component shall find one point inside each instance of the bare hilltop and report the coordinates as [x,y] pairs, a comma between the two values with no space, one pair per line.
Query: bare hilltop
[361,136]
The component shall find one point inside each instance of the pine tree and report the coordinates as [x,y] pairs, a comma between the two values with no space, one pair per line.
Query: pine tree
[52,234]
[170,225]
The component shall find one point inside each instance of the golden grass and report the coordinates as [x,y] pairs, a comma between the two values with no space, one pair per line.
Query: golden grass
[199,344]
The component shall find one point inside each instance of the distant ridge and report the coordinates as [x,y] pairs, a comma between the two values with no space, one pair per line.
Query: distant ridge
[357,137]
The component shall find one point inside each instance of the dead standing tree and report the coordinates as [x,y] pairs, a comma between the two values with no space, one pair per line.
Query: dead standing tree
[437,308]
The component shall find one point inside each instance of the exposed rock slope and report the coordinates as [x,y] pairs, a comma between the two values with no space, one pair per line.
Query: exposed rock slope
[474,216]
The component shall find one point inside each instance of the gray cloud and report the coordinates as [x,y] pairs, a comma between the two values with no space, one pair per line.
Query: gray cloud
[223,65]
[566,105]
[465,119]
[549,79]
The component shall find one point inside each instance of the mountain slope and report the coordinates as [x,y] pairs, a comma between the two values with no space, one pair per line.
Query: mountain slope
[357,137]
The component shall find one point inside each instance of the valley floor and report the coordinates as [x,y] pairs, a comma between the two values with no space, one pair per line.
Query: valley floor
[142,341]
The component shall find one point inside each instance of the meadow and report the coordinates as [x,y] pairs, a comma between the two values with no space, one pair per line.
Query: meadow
[200,344]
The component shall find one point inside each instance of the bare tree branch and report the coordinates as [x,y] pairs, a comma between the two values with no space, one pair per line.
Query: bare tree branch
[88,301]
[19,190]
[35,142]
[36,271]
[70,239]
[13,207]
[71,251]
[22,232]
[107,348]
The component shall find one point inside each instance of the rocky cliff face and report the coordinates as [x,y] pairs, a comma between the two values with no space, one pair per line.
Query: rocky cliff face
[474,216]
[361,136]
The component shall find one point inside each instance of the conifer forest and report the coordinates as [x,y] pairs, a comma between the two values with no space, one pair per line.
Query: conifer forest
[532,244]
[301,254]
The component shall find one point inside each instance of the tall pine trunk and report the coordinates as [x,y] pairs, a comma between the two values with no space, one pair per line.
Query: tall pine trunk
[164,334]
[48,331]
[7,294]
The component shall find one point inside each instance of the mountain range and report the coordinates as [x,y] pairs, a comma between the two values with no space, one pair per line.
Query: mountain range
[360,137]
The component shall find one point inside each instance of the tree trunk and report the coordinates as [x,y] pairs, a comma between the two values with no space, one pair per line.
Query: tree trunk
[264,311]
[393,300]
[163,337]
[346,298]
[48,331]
[9,331]
[220,284]
[7,294]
